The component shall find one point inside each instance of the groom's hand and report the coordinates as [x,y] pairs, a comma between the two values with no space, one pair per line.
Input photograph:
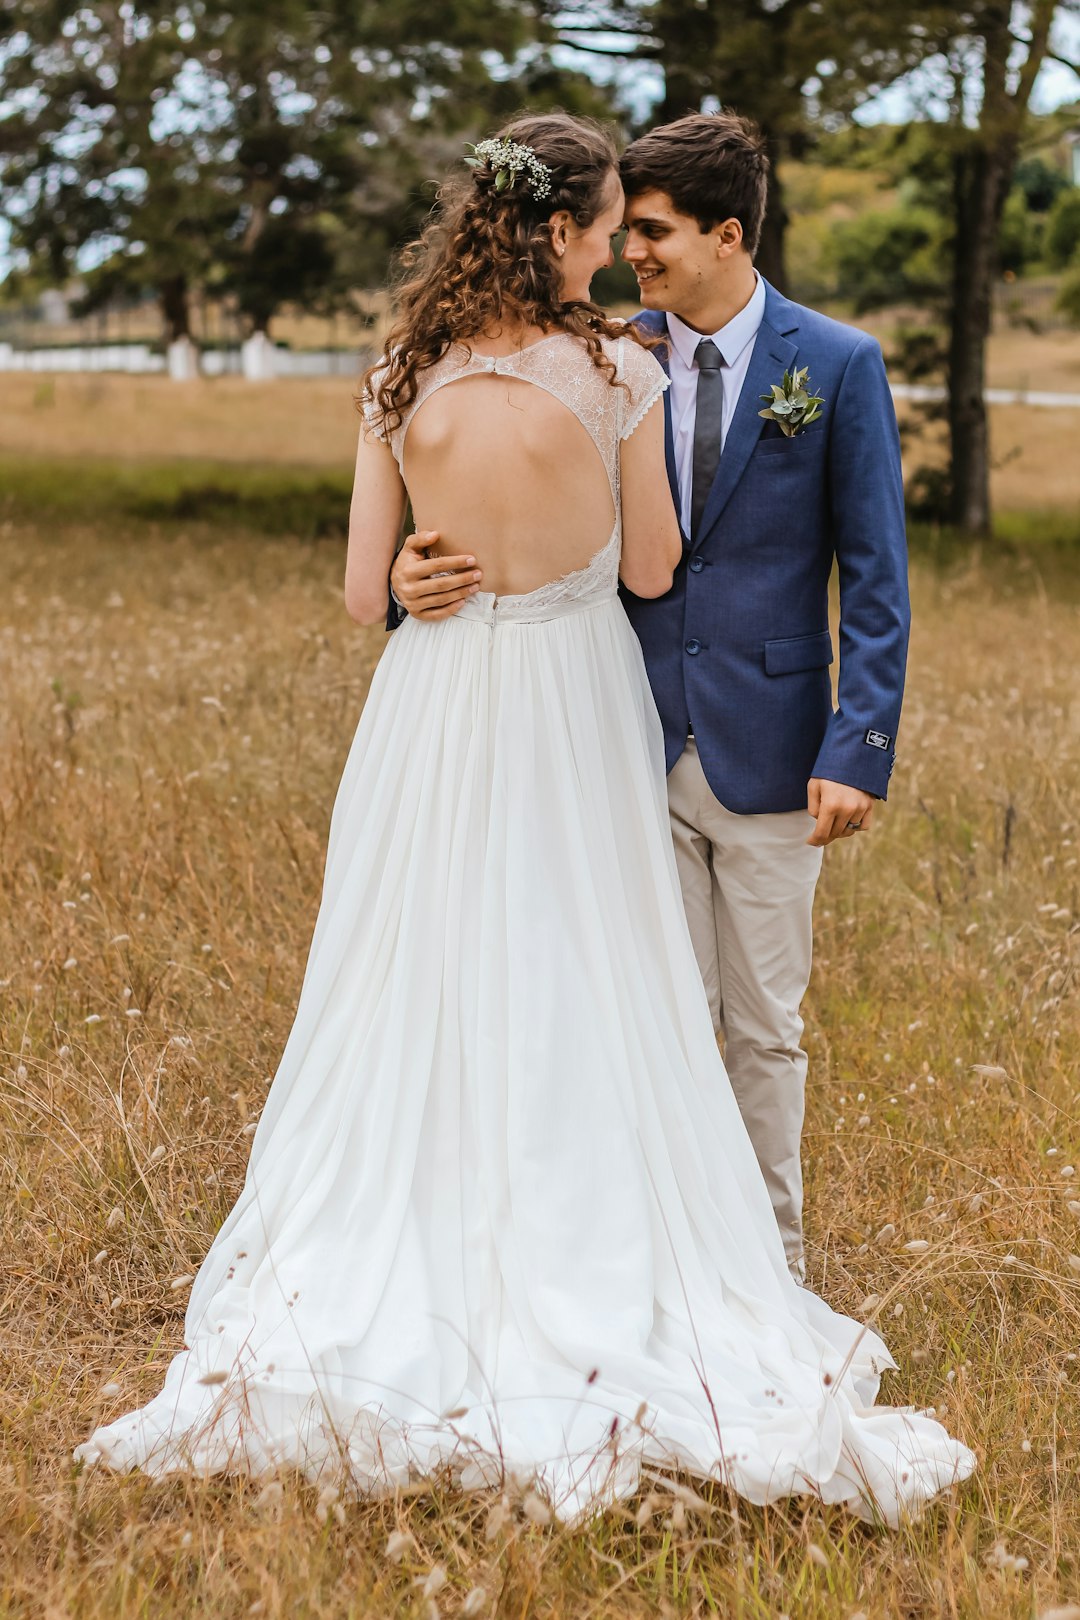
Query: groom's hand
[838,811]
[431,587]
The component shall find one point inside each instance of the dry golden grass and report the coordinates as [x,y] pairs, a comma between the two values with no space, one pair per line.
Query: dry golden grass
[1016,358]
[312,422]
[1033,456]
[177,707]
[301,421]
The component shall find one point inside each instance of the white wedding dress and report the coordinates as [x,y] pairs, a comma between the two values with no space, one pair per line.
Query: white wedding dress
[501,1212]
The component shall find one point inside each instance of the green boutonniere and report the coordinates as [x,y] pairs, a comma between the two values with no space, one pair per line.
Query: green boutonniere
[791,405]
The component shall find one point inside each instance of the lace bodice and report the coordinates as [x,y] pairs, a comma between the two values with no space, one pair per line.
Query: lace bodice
[560,364]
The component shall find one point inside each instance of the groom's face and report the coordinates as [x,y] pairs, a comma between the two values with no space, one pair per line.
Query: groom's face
[675,261]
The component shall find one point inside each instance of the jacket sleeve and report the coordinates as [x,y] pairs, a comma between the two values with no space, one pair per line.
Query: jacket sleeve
[870,538]
[395,613]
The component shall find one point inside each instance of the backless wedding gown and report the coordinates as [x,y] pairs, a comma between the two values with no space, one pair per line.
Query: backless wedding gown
[501,1213]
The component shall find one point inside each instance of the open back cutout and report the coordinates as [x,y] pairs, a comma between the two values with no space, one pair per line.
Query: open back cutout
[521,467]
[503,469]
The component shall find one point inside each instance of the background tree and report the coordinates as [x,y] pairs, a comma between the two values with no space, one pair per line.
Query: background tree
[253,145]
[990,54]
[795,66]
[80,163]
[799,66]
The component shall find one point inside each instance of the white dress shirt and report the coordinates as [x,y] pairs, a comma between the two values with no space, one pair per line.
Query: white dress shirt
[736,343]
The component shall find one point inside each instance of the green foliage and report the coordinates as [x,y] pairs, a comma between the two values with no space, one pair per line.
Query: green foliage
[1034,536]
[265,149]
[1039,183]
[1063,229]
[1020,238]
[616,286]
[894,256]
[761,57]
[790,404]
[239,497]
[1068,300]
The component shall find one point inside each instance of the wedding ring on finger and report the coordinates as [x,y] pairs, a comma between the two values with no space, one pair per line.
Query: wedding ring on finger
[854,826]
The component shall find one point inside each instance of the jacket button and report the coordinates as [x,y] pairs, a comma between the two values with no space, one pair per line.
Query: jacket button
[693,647]
[696,565]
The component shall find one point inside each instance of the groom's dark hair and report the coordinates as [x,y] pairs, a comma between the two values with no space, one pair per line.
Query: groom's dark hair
[713,166]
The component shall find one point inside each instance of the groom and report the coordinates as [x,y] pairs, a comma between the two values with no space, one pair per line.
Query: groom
[738,651]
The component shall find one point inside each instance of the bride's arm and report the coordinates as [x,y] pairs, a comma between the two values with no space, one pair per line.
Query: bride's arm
[375,518]
[652,544]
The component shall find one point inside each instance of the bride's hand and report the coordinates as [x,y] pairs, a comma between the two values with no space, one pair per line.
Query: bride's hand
[432,587]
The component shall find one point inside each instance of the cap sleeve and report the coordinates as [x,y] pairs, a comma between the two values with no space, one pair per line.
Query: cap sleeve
[645,380]
[372,416]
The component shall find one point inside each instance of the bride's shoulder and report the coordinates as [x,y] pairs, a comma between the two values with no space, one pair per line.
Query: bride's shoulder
[633,360]
[635,363]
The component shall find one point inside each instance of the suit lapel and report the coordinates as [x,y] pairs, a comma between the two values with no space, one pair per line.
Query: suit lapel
[772,355]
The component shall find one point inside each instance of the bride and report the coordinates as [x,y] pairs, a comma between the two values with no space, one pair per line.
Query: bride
[501,1214]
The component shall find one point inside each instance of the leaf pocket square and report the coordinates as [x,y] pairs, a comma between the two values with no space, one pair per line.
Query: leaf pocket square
[791,405]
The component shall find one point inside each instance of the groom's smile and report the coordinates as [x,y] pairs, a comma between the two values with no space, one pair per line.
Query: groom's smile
[674,260]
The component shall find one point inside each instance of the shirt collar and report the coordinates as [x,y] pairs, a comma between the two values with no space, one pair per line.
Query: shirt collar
[731,339]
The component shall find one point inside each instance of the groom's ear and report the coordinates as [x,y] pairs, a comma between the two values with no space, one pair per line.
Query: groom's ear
[727,238]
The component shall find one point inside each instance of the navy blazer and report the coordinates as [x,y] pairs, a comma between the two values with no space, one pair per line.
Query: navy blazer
[739,649]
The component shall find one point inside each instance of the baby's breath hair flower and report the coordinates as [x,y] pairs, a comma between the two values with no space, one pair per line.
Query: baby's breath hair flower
[509,160]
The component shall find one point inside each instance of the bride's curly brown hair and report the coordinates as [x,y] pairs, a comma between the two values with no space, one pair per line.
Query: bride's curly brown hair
[486,256]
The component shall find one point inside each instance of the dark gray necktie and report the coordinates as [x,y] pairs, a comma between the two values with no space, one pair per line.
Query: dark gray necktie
[707,427]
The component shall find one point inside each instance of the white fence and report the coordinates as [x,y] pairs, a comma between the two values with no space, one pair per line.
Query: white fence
[133,357]
[257,359]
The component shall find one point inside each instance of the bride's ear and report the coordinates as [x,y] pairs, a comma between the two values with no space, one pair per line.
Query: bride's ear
[559,225]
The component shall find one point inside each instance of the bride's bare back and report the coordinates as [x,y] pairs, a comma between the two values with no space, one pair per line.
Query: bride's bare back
[501,468]
[515,457]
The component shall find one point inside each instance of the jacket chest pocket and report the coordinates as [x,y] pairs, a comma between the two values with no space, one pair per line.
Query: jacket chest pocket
[795,449]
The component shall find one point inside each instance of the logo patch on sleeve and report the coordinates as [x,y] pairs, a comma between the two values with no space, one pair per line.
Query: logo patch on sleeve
[877,739]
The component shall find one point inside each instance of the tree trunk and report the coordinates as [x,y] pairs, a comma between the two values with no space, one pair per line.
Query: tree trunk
[969,327]
[771,257]
[685,34]
[682,95]
[173,298]
[982,167]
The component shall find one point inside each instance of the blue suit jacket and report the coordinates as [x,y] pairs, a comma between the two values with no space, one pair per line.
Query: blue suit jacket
[739,648]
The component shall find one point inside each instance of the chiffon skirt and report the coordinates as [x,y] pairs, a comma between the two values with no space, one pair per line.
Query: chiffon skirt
[501,1214]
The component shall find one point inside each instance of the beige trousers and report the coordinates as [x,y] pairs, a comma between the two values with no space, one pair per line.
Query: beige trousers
[748,886]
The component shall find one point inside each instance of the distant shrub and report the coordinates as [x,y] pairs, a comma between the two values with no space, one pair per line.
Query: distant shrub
[1068,299]
[1039,183]
[1020,241]
[889,257]
[1063,229]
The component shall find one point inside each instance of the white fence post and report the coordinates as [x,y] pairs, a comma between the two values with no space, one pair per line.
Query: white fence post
[183,360]
[258,357]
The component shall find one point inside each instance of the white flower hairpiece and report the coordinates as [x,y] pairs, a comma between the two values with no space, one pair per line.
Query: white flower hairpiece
[509,160]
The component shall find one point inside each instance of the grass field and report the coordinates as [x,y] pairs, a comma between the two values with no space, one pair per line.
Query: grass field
[312,424]
[179,697]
